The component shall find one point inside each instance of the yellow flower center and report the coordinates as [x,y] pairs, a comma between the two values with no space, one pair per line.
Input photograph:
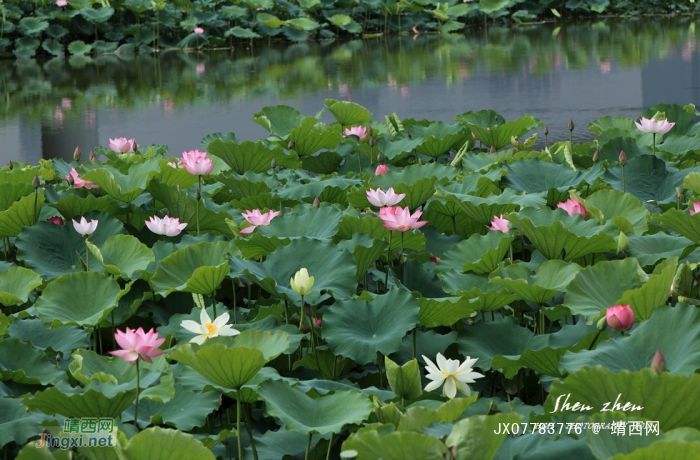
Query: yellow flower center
[211,328]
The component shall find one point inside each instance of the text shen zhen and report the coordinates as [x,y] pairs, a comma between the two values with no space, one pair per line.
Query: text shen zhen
[563,404]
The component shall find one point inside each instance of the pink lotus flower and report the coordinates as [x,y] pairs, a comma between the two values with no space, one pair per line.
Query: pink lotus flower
[619,317]
[168,226]
[435,259]
[122,145]
[359,131]
[56,220]
[379,198]
[197,163]
[499,224]
[573,207]
[61,3]
[381,170]
[78,182]
[696,208]
[397,218]
[84,227]
[137,344]
[654,126]
[256,219]
[198,30]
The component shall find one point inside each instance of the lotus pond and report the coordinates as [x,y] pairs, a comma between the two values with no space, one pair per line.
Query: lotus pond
[365,288]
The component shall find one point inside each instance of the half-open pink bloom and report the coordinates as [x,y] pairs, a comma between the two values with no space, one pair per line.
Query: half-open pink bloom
[198,30]
[137,344]
[359,131]
[56,220]
[401,219]
[256,219]
[84,227]
[381,170]
[619,317]
[379,198]
[695,209]
[122,145]
[499,224]
[78,182]
[573,207]
[197,163]
[647,125]
[61,3]
[168,226]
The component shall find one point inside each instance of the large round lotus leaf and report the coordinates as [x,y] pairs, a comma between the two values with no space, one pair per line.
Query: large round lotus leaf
[648,178]
[38,246]
[16,283]
[474,438]
[16,424]
[359,329]
[123,255]
[124,186]
[683,223]
[94,401]
[199,268]
[627,212]
[600,286]
[158,443]
[663,398]
[186,410]
[279,120]
[88,366]
[63,339]
[333,269]
[83,298]
[305,221]
[533,175]
[324,414]
[444,311]
[22,213]
[23,363]
[550,278]
[560,236]
[479,254]
[636,351]
[483,209]
[385,443]
[348,113]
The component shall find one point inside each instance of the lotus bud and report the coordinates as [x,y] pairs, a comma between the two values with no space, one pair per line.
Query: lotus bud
[93,157]
[372,141]
[36,182]
[623,243]
[11,165]
[622,158]
[370,131]
[683,281]
[273,163]
[571,125]
[658,362]
[198,194]
[680,193]
[474,136]
[602,324]
[77,153]
[546,131]
[316,203]
[619,317]
[492,149]
[596,156]
[290,145]
[318,322]
[380,157]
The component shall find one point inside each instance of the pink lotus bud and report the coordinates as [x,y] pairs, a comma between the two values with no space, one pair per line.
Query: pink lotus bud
[381,170]
[622,158]
[273,163]
[573,207]
[11,165]
[316,203]
[619,317]
[695,209]
[77,153]
[546,130]
[93,157]
[658,362]
[571,125]
[596,155]
[492,149]
[371,141]
[380,157]
[435,259]
[56,220]
[36,182]
[198,30]
[318,322]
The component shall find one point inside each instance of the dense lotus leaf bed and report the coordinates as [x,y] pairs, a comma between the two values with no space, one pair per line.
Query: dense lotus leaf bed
[528,243]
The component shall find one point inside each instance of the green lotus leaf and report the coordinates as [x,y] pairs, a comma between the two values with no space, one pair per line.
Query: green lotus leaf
[404,380]
[654,293]
[611,146]
[551,277]
[663,397]
[636,351]
[652,179]
[438,138]
[13,191]
[330,366]
[95,401]
[412,174]
[157,443]
[359,329]
[348,113]
[483,295]
[322,163]
[627,212]
[22,213]
[83,299]
[477,341]
[16,283]
[683,223]
[79,48]
[445,311]
[16,424]
[480,253]
[325,414]
[73,206]
[544,447]
[340,20]
[475,438]
[250,156]
[124,186]
[416,194]
[63,339]
[97,15]
[313,136]
[492,6]
[499,135]
[32,26]
[649,249]
[185,209]
[240,32]
[536,176]
[365,250]
[270,343]
[186,410]
[279,120]
[123,255]
[672,449]
[53,47]
[372,226]
[396,149]
[383,442]
[448,218]
[22,363]
[303,24]
[557,235]
[312,189]
[484,209]
[305,221]
[257,245]
[600,286]
[199,268]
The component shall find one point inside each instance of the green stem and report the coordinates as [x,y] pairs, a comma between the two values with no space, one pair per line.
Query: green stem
[654,144]
[401,253]
[379,368]
[415,339]
[308,446]
[87,255]
[623,180]
[359,162]
[249,427]
[235,306]
[238,424]
[590,347]
[199,197]
[213,303]
[388,261]
[330,444]
[138,390]
[114,344]
[301,322]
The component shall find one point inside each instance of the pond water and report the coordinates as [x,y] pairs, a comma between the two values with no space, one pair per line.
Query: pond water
[556,72]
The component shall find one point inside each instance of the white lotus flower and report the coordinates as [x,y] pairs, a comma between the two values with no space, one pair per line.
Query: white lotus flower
[208,328]
[452,374]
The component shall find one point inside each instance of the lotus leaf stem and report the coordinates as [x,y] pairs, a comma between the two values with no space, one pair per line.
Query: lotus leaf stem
[138,390]
[238,424]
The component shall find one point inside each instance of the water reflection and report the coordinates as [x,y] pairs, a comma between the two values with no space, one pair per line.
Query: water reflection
[555,72]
